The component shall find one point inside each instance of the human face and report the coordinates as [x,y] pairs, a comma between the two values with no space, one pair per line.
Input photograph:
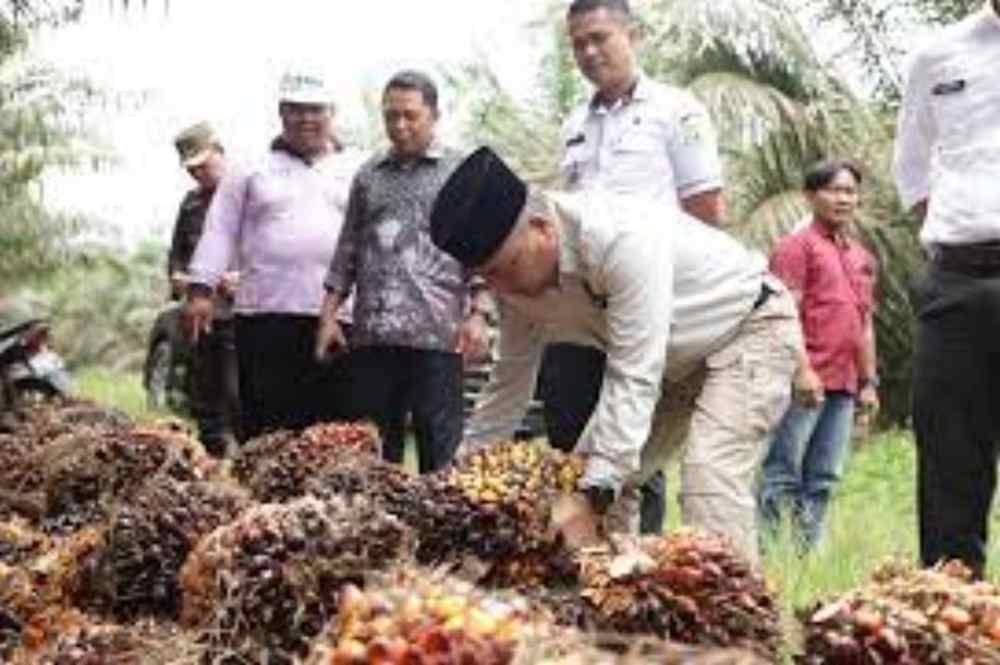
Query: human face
[836,203]
[209,172]
[306,128]
[527,263]
[603,43]
[409,121]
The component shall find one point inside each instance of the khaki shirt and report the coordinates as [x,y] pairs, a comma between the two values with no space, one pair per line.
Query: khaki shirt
[658,303]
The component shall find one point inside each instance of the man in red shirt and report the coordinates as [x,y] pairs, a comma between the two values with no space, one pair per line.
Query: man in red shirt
[832,278]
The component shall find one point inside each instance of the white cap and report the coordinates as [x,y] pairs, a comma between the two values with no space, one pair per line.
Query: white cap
[304,86]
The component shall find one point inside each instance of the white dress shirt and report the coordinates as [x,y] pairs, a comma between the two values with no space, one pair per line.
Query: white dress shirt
[658,142]
[948,135]
[658,303]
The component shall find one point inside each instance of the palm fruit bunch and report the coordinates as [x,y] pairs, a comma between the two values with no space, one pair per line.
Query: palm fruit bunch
[688,586]
[45,420]
[512,486]
[574,648]
[446,525]
[22,479]
[48,581]
[92,469]
[19,541]
[269,580]
[419,616]
[908,615]
[61,637]
[276,467]
[149,538]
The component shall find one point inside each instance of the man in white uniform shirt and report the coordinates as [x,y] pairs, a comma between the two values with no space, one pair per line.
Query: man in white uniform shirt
[635,136]
[947,170]
[701,341]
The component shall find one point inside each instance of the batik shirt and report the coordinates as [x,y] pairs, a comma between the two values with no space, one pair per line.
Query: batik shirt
[407,292]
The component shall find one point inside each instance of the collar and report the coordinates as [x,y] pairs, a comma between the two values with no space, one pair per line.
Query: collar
[278,144]
[841,239]
[569,237]
[434,152]
[639,92]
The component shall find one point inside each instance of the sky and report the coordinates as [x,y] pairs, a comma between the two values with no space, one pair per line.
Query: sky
[220,60]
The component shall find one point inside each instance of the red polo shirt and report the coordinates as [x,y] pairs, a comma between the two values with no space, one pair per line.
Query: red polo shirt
[834,278]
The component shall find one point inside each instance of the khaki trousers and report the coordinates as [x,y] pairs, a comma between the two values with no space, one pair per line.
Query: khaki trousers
[719,419]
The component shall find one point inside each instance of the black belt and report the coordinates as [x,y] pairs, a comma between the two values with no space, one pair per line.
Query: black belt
[765,293]
[978,259]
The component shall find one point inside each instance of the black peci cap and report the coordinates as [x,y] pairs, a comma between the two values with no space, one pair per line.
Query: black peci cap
[477,208]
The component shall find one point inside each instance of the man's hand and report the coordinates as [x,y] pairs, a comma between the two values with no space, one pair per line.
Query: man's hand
[807,388]
[868,401]
[474,339]
[179,283]
[330,339]
[575,519]
[229,283]
[198,313]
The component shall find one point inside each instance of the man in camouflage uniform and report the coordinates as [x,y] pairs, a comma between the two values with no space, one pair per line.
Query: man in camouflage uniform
[214,389]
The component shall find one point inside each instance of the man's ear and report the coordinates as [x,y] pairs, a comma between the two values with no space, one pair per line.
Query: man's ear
[635,31]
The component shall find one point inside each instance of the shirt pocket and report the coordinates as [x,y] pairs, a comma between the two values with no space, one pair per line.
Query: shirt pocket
[636,159]
[573,163]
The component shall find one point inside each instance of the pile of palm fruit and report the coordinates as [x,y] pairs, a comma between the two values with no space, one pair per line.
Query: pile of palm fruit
[122,544]
[907,615]
[412,615]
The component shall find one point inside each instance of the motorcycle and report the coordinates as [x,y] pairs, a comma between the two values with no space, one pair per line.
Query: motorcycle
[29,368]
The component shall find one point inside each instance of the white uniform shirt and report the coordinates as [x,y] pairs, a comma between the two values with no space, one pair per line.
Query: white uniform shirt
[948,136]
[658,303]
[658,142]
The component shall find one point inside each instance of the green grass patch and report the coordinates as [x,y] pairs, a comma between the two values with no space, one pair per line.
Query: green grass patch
[120,390]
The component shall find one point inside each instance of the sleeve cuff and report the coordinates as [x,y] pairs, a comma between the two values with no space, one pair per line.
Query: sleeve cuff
[602,473]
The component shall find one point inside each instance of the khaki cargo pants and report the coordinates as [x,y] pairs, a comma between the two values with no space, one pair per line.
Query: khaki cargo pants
[720,419]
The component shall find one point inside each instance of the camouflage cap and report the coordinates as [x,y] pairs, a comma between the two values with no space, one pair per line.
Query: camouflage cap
[195,144]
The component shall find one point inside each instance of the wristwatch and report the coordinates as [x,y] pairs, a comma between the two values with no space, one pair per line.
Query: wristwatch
[488,316]
[870,382]
[599,497]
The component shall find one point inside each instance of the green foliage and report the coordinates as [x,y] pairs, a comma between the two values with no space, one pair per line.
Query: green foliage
[103,306]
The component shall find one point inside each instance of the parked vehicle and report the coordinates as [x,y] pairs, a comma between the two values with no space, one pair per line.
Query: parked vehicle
[29,367]
[167,374]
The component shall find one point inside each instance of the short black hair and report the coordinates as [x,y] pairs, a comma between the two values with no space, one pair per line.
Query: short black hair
[578,7]
[411,79]
[820,175]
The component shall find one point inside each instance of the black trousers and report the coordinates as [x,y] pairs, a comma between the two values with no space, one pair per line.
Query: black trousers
[215,398]
[281,384]
[426,385]
[569,386]
[956,415]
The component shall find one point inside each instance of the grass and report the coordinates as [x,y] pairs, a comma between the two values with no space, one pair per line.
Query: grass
[872,516]
[121,390]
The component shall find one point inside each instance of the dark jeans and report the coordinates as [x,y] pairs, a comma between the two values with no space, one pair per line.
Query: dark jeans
[215,398]
[569,386]
[281,384]
[427,385]
[955,416]
[803,465]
